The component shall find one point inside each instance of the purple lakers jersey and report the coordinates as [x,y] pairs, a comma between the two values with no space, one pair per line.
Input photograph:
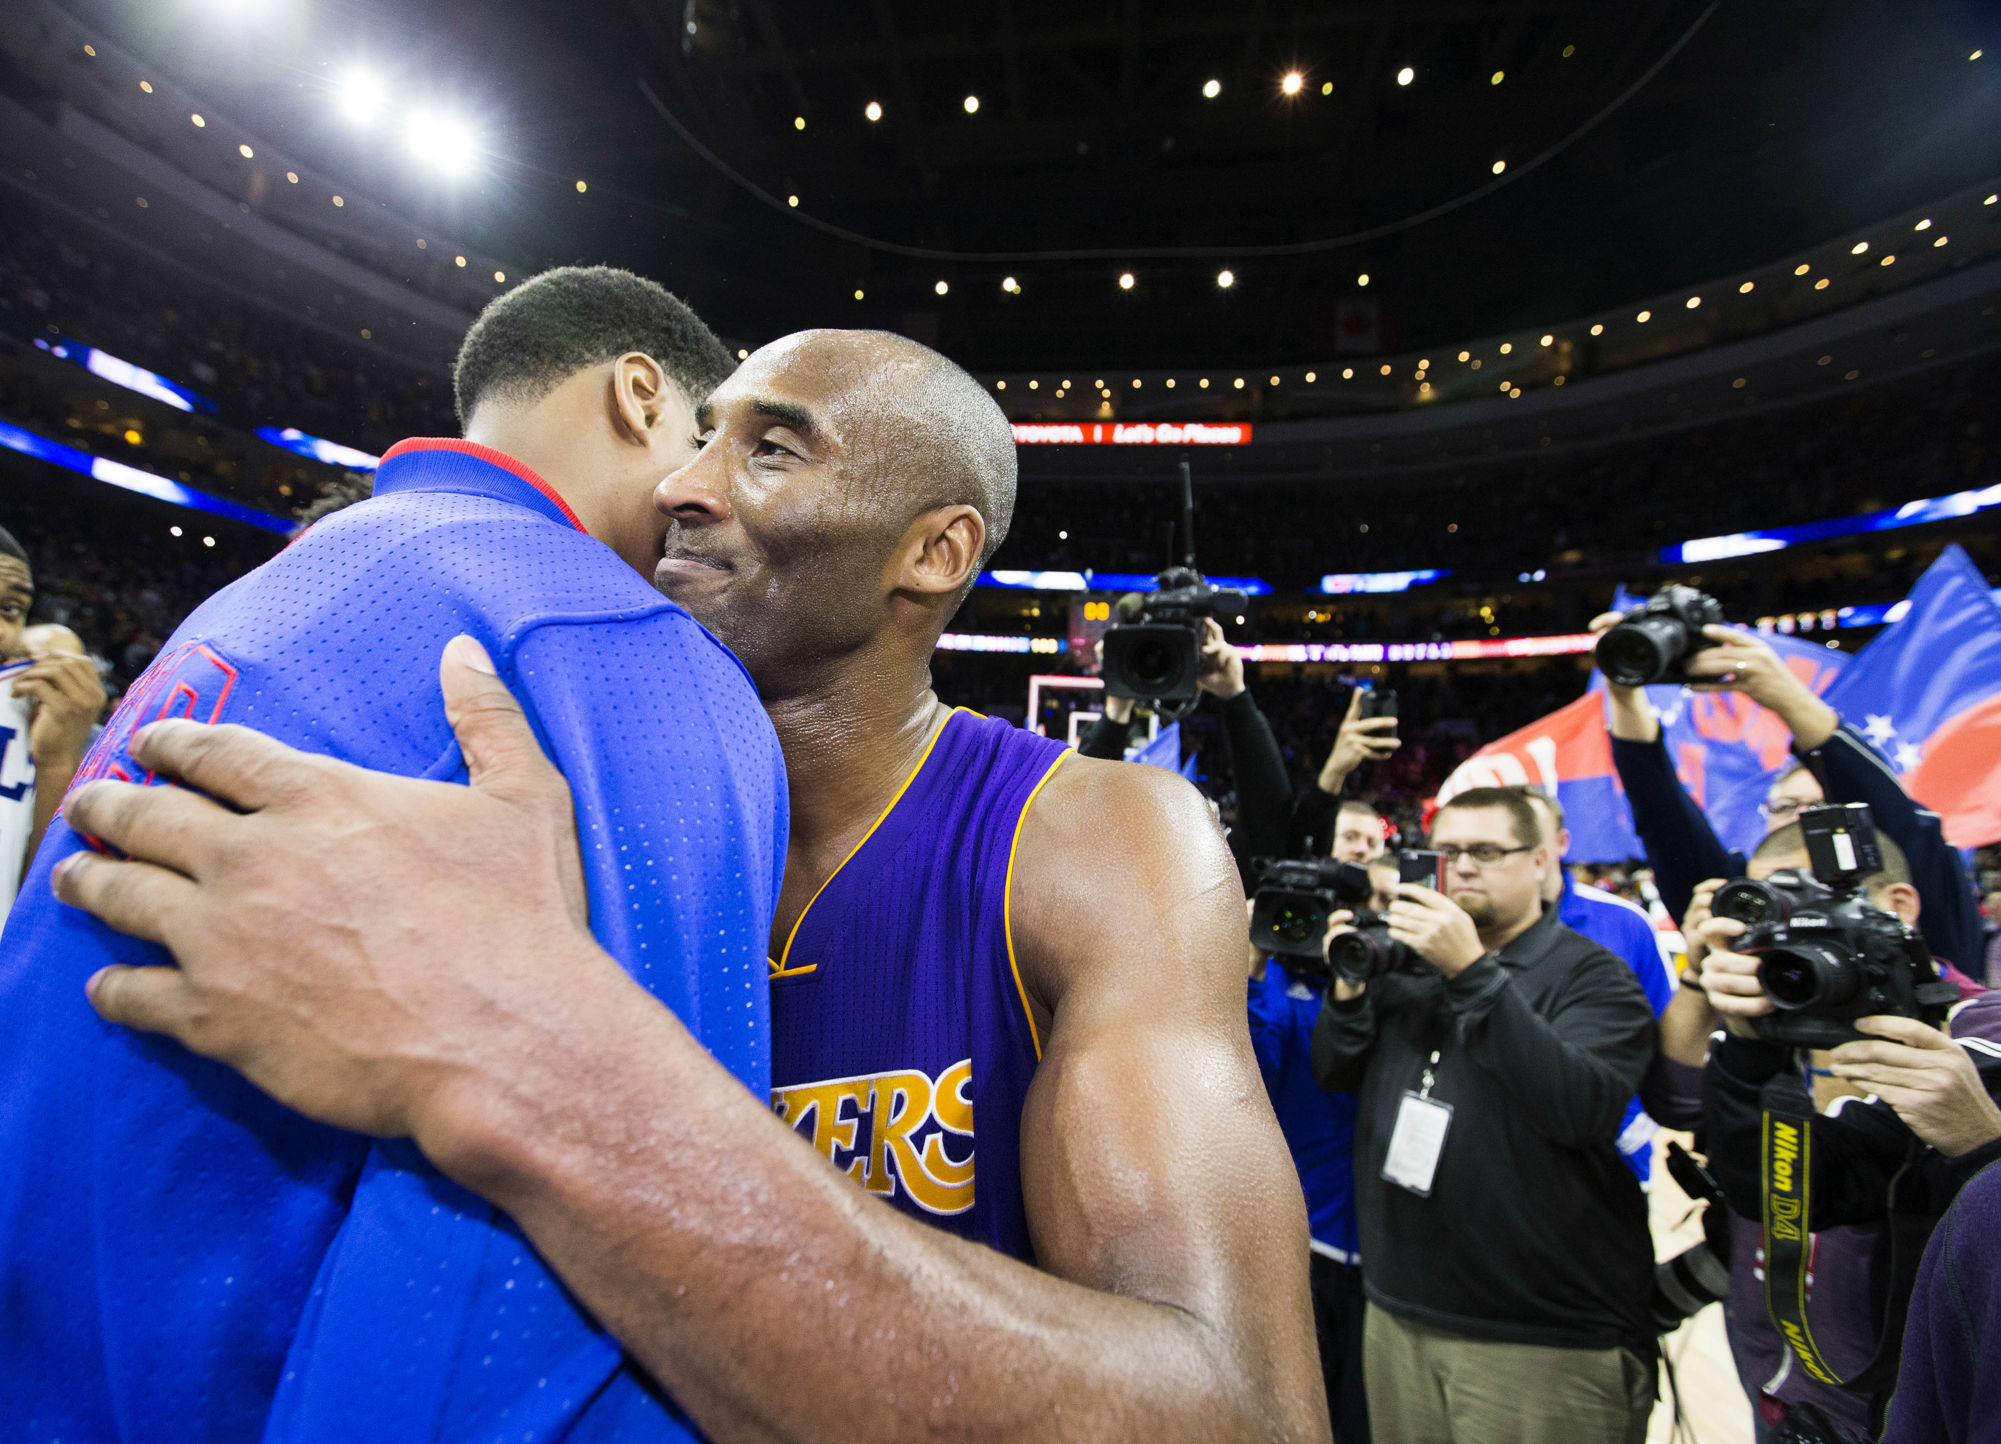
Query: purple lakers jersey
[902,1043]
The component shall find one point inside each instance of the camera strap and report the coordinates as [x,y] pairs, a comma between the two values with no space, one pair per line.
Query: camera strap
[1786,1176]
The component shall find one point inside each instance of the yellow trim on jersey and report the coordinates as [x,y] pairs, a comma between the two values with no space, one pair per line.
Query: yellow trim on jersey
[1007,901]
[779,969]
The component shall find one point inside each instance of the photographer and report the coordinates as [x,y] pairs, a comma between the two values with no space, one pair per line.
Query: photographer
[1318,814]
[1319,1129]
[1835,764]
[1505,1239]
[1909,1115]
[1263,790]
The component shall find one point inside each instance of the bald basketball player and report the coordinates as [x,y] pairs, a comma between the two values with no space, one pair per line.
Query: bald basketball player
[971,923]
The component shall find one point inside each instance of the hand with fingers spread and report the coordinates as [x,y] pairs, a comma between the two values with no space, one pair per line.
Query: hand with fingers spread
[1929,1079]
[1741,661]
[340,994]
[1361,739]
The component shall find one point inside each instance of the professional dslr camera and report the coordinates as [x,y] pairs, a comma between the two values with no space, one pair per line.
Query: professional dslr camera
[1153,652]
[1290,908]
[1367,951]
[1826,955]
[1656,639]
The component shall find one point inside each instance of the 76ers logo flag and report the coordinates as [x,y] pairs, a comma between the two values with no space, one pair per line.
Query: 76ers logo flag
[1926,693]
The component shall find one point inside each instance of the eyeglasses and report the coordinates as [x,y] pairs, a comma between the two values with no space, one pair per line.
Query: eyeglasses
[1484,853]
[1785,807]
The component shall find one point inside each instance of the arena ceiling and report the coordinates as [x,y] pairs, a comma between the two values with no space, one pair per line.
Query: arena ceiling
[1484,163]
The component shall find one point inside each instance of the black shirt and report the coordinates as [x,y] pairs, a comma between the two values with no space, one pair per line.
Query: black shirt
[1535,1231]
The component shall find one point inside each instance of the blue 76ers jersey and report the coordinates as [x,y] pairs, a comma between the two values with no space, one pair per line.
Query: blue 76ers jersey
[17,784]
[902,1044]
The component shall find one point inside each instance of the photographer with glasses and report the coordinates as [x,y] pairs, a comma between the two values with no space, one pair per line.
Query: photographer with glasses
[1834,763]
[1506,1255]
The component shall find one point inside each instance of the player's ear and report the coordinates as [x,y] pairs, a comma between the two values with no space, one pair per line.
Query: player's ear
[942,551]
[638,395]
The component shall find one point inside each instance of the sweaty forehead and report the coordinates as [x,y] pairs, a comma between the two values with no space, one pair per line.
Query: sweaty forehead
[14,575]
[841,376]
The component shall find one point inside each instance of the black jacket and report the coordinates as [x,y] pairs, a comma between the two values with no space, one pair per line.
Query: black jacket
[1535,1231]
[1683,849]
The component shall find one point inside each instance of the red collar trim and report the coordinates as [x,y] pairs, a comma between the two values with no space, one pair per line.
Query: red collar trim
[493,458]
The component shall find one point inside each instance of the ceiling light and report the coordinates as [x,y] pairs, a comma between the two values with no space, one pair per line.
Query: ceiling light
[873,110]
[1858,248]
[1693,302]
[1363,279]
[1745,289]
[1549,340]
[742,353]
[461,260]
[1923,225]
[147,86]
[199,122]
[1406,76]
[1292,82]
[442,141]
[338,201]
[1135,383]
[292,176]
[1497,77]
[1890,260]
[1274,381]
[91,51]
[1238,383]
[941,288]
[1821,284]
[1976,55]
[1034,384]
[358,95]
[1311,377]
[1939,242]
[972,105]
[1169,383]
[1991,199]
[1347,373]
[581,187]
[1568,51]
[1010,285]
[501,277]
[245,151]
[858,295]
[1203,383]
[1644,317]
[1212,88]
[798,122]
[1386,368]
[1125,280]
[1226,279]
[1499,166]
[1507,347]
[1326,87]
[1000,385]
[792,201]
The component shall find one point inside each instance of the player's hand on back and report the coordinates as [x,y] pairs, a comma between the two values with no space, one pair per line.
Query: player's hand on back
[345,998]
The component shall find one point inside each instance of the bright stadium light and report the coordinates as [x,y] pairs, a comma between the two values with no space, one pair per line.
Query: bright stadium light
[1292,82]
[358,96]
[443,142]
[1212,88]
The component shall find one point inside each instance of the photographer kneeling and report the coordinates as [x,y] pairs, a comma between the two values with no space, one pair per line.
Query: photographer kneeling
[1910,1114]
[1507,1258]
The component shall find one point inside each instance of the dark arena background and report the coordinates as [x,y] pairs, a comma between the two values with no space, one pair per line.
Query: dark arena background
[1470,320]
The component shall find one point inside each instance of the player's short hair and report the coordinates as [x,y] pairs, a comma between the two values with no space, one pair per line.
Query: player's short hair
[552,326]
[1533,794]
[1528,831]
[10,547]
[961,443]
[1790,841]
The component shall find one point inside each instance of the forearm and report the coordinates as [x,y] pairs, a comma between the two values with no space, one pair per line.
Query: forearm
[1572,1081]
[52,779]
[1631,716]
[772,1298]
[1686,1024]
[1264,792]
[1681,845]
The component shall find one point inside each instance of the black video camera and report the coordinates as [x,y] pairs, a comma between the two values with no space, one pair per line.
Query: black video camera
[1367,951]
[1294,897]
[1826,954]
[1656,639]
[1153,652]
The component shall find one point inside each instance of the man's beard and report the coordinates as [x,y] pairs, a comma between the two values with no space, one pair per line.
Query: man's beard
[1480,909]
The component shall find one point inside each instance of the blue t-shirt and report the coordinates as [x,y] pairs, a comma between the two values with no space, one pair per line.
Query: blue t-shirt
[1319,1126]
[180,1257]
[1613,923]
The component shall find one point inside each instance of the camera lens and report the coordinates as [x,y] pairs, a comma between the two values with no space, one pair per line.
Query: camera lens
[1353,955]
[1750,902]
[1296,924]
[1639,652]
[1807,975]
[1153,664]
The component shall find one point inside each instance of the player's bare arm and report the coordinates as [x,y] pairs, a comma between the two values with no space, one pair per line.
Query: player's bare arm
[468,1007]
